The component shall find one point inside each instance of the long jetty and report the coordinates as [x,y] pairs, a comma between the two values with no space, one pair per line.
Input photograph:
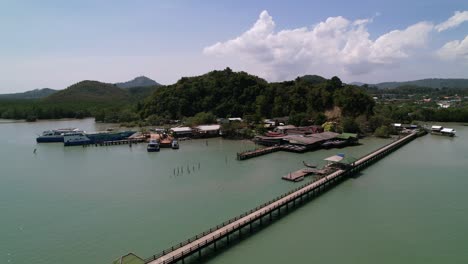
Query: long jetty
[223,234]
[263,151]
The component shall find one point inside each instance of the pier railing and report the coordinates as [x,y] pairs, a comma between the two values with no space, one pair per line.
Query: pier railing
[319,183]
[225,223]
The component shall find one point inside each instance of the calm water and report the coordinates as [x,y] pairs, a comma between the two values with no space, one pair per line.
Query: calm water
[91,205]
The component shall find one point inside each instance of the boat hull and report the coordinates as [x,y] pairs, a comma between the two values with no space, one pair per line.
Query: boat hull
[152,149]
[49,139]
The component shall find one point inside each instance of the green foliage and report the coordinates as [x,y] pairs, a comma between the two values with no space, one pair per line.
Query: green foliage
[329,126]
[200,118]
[227,93]
[354,101]
[350,125]
[235,130]
[382,131]
[299,119]
[105,102]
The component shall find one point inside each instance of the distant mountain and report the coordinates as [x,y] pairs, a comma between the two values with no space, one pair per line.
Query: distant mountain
[431,83]
[357,83]
[141,81]
[90,91]
[33,94]
[98,92]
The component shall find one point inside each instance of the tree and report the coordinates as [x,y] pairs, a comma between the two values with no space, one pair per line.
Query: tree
[350,125]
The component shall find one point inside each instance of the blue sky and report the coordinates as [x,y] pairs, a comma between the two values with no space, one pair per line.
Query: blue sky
[57,43]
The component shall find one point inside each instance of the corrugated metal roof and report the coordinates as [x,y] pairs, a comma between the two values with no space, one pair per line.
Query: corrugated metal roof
[181,129]
[209,127]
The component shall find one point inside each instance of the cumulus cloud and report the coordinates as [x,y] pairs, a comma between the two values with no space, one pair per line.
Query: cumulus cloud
[336,42]
[455,50]
[454,21]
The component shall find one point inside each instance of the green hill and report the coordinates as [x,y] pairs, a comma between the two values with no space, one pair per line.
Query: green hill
[227,93]
[89,91]
[33,94]
[313,79]
[141,81]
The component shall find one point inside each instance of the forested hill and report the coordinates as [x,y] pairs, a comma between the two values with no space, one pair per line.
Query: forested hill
[33,94]
[89,91]
[430,83]
[98,92]
[141,81]
[228,93]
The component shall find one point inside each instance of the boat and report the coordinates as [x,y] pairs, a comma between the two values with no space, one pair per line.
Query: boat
[309,165]
[55,135]
[443,131]
[175,144]
[153,146]
[77,138]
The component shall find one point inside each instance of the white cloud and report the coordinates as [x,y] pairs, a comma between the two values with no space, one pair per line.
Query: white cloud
[336,43]
[454,21]
[455,50]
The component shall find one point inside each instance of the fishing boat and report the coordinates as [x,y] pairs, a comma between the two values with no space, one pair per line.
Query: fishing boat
[175,144]
[78,138]
[153,146]
[443,131]
[56,135]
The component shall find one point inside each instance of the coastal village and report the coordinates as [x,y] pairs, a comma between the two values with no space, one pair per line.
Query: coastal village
[278,136]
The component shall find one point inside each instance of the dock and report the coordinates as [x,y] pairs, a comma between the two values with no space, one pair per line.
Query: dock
[128,141]
[257,152]
[222,234]
[263,151]
[297,175]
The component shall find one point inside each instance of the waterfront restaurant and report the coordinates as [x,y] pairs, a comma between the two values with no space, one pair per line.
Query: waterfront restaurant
[208,130]
[182,131]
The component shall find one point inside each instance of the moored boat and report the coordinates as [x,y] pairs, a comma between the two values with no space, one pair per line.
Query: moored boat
[153,146]
[56,135]
[175,144]
[83,138]
[443,131]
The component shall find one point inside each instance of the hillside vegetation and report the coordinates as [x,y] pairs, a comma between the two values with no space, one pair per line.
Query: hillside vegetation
[227,93]
[83,99]
[141,81]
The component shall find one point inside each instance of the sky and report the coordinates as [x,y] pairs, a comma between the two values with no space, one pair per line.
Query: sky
[55,44]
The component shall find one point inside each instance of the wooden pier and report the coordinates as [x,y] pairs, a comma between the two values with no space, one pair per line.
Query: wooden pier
[262,151]
[257,152]
[235,228]
[116,142]
[297,175]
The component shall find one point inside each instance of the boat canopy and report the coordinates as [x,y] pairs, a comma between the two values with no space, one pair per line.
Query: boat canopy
[436,127]
[348,160]
[448,130]
[336,158]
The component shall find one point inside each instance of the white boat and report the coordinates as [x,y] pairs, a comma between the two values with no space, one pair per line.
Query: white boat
[443,131]
[153,146]
[55,135]
[175,144]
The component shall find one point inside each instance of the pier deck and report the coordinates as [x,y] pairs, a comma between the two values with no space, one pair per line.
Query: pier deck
[195,244]
[297,175]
